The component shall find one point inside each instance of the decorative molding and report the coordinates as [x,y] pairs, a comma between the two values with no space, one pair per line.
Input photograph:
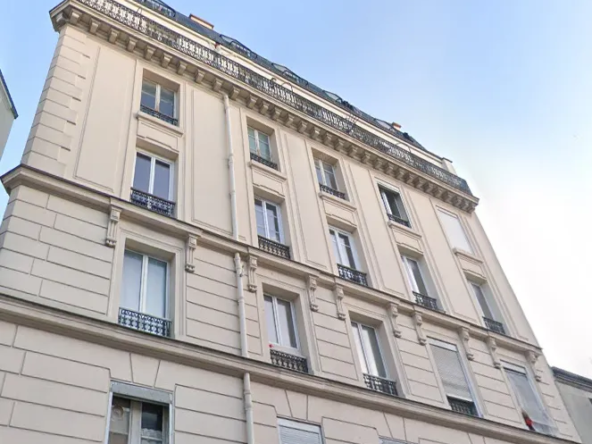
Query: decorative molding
[113,225]
[199,76]
[339,296]
[113,34]
[533,359]
[418,321]
[492,345]
[394,313]
[131,44]
[190,247]
[252,274]
[312,286]
[466,337]
[166,60]
[181,67]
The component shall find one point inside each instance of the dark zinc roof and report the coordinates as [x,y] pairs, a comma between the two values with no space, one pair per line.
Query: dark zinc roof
[238,47]
[12,107]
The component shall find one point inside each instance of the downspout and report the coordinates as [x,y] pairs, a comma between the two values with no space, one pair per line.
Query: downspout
[238,268]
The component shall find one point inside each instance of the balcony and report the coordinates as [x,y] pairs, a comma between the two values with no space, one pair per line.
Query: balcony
[426,301]
[379,384]
[399,220]
[494,326]
[264,161]
[144,322]
[153,203]
[275,248]
[161,116]
[352,275]
[332,192]
[462,406]
[288,361]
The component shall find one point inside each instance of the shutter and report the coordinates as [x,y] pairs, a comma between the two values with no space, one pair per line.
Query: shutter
[296,433]
[391,441]
[451,373]
[454,231]
[528,400]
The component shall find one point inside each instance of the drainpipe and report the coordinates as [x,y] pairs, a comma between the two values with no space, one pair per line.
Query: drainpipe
[238,268]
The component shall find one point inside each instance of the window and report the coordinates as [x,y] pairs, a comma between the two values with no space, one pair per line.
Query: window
[454,231]
[419,284]
[153,184]
[393,205]
[134,422]
[491,318]
[281,326]
[453,377]
[292,432]
[159,101]
[327,178]
[368,350]
[259,144]
[528,399]
[343,248]
[269,220]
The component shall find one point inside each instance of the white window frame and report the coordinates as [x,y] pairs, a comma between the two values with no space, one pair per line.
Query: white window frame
[144,278]
[153,159]
[322,164]
[278,207]
[274,300]
[306,427]
[411,278]
[462,227]
[387,206]
[157,96]
[341,248]
[257,132]
[487,298]
[364,352]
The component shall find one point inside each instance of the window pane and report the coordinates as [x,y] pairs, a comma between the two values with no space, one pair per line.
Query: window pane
[288,333]
[149,94]
[416,277]
[167,102]
[526,396]
[330,175]
[454,231]
[156,284]
[451,373]
[386,201]
[482,301]
[273,223]
[348,254]
[270,320]
[358,341]
[142,173]
[372,352]
[119,425]
[152,422]
[320,177]
[260,218]
[252,140]
[336,251]
[162,180]
[132,280]
[399,209]
[264,146]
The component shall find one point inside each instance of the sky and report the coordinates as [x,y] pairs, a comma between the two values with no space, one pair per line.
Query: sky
[502,88]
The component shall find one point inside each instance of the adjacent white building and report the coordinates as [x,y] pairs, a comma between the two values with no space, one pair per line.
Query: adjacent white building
[8,113]
[576,392]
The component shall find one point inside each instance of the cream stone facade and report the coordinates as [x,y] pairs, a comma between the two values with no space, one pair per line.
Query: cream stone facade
[373,352]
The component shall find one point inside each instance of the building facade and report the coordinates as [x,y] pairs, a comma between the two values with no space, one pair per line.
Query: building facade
[576,392]
[201,246]
[8,113]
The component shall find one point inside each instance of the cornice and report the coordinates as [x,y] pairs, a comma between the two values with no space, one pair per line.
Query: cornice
[572,379]
[119,25]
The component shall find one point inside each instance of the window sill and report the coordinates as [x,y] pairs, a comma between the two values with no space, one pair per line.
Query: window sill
[148,118]
[403,228]
[466,255]
[288,350]
[336,200]
[267,170]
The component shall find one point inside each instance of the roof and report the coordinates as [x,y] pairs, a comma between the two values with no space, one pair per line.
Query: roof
[237,47]
[572,379]
[12,107]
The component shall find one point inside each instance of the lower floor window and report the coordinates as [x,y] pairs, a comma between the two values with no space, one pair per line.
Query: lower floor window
[144,284]
[135,422]
[293,432]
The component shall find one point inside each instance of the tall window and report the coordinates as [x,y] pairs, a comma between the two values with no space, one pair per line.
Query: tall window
[393,205]
[269,220]
[259,144]
[153,176]
[415,276]
[453,377]
[368,350]
[343,248]
[134,422]
[292,432]
[157,98]
[454,231]
[528,398]
[281,325]
[326,174]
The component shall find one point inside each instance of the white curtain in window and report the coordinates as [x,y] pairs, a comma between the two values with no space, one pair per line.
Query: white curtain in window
[451,373]
[454,231]
[156,283]
[132,281]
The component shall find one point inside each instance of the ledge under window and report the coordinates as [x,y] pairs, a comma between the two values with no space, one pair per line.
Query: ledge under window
[264,161]
[141,115]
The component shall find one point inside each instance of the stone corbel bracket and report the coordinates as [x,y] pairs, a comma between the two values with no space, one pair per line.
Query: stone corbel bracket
[492,345]
[190,247]
[394,313]
[339,296]
[465,335]
[533,358]
[311,287]
[418,321]
[113,226]
[252,274]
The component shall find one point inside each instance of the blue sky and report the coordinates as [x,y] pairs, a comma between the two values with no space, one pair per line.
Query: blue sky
[503,88]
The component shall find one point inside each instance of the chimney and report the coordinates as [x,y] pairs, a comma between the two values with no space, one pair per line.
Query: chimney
[396,126]
[201,21]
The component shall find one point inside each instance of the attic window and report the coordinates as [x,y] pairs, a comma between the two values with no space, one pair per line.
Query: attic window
[333,96]
[285,71]
[238,46]
[158,6]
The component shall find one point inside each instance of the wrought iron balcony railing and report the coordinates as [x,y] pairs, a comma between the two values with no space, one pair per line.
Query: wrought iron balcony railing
[352,275]
[273,247]
[286,360]
[158,115]
[494,326]
[332,192]
[462,406]
[153,203]
[264,161]
[379,384]
[399,220]
[426,301]
[144,322]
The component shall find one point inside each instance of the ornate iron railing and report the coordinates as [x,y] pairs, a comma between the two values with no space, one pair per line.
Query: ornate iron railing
[286,360]
[158,115]
[352,275]
[426,301]
[462,406]
[494,326]
[331,191]
[399,220]
[264,161]
[273,247]
[154,203]
[379,384]
[191,48]
[144,322]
